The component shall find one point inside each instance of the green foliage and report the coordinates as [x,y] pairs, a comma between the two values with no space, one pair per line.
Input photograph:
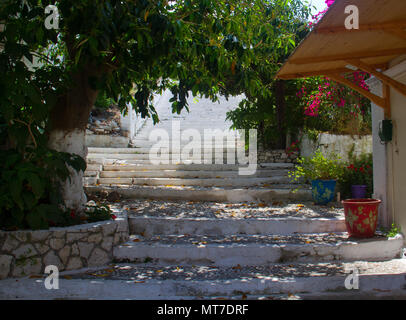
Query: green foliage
[359,171]
[336,108]
[129,50]
[98,213]
[29,187]
[103,102]
[393,231]
[271,106]
[318,167]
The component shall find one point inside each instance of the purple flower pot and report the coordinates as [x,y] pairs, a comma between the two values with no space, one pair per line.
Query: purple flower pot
[359,191]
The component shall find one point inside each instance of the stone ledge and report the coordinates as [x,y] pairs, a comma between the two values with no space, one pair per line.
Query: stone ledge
[28,252]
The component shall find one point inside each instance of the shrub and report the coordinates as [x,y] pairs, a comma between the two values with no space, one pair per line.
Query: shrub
[318,167]
[30,187]
[359,171]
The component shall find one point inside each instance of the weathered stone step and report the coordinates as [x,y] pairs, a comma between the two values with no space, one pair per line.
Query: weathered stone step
[260,250]
[189,167]
[205,182]
[146,143]
[153,226]
[121,151]
[198,174]
[377,280]
[239,195]
[154,157]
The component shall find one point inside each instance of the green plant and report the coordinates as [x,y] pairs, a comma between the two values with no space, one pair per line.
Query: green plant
[30,184]
[359,171]
[98,213]
[393,231]
[318,167]
[103,102]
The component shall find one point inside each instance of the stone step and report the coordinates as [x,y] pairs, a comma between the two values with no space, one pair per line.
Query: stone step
[146,143]
[94,167]
[258,250]
[235,195]
[153,226]
[178,157]
[377,280]
[206,182]
[121,151]
[189,167]
[111,160]
[200,174]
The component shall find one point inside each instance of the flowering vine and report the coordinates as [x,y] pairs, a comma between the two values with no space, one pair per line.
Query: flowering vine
[328,91]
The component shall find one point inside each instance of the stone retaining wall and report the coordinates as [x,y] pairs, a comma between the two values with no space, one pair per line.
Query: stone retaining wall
[28,252]
[276,156]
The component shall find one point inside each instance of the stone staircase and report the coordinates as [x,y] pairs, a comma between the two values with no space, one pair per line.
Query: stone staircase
[202,230]
[209,170]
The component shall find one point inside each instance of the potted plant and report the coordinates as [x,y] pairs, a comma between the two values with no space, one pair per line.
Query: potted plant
[357,178]
[361,217]
[322,171]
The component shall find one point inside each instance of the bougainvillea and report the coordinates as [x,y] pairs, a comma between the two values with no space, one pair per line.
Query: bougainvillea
[325,92]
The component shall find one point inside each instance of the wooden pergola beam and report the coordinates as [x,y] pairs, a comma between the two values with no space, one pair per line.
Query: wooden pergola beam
[369,95]
[354,55]
[400,33]
[400,87]
[307,74]
[363,27]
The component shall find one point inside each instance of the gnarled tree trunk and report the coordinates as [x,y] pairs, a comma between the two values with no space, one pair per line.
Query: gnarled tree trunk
[68,123]
[280,112]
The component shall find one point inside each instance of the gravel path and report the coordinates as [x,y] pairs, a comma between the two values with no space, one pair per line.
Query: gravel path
[190,209]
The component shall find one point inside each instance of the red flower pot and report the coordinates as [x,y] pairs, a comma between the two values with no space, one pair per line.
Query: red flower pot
[361,217]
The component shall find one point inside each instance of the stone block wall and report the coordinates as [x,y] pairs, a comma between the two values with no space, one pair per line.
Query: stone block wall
[24,253]
[276,156]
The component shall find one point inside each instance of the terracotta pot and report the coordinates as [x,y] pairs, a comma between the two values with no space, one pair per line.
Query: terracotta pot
[361,217]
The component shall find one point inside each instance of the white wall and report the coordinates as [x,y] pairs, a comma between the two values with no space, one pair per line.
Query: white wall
[379,159]
[340,144]
[396,151]
[390,159]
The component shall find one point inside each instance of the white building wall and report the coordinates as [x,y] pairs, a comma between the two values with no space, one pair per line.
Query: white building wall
[390,160]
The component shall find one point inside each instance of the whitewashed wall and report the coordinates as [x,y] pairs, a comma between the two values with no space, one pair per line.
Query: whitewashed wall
[340,144]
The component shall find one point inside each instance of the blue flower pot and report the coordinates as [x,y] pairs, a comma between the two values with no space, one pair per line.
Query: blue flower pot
[323,191]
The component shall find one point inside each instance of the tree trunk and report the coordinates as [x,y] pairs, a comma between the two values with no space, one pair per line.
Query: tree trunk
[71,142]
[280,112]
[68,123]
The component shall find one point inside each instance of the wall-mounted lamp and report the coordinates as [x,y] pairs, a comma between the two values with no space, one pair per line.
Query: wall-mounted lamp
[385,131]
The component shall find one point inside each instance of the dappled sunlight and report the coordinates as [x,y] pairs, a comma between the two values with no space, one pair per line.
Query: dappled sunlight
[215,210]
